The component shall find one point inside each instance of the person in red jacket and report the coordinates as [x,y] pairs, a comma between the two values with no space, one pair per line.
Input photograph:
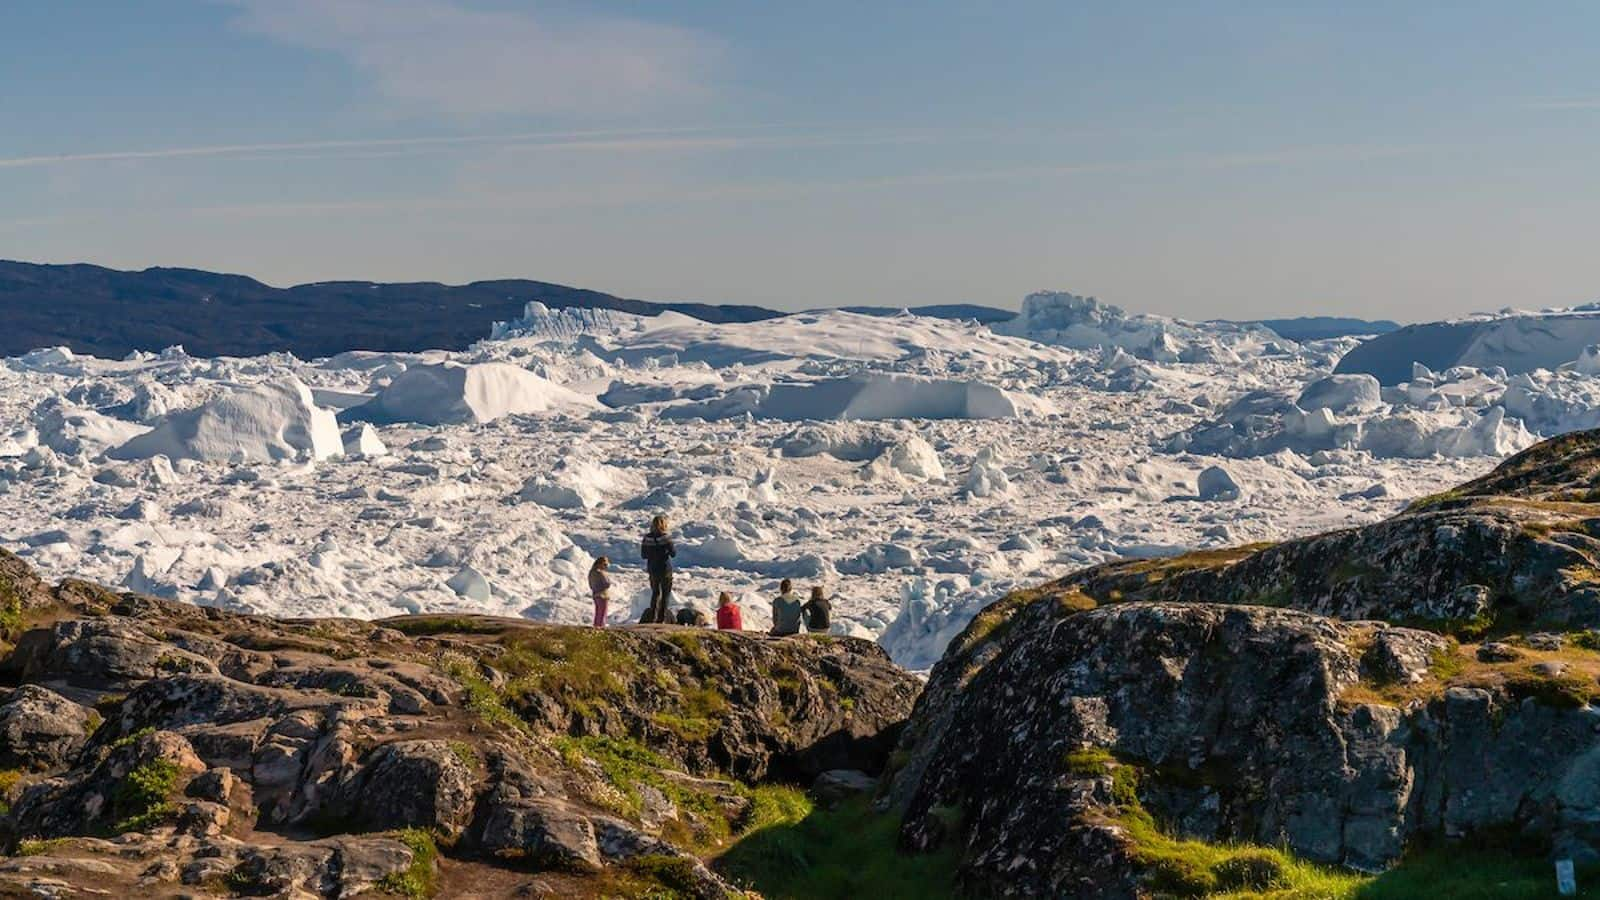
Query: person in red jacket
[728,616]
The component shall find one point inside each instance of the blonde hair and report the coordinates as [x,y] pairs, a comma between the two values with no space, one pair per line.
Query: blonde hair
[724,599]
[658,525]
[601,562]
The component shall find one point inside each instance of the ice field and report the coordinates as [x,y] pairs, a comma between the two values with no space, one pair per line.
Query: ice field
[917,467]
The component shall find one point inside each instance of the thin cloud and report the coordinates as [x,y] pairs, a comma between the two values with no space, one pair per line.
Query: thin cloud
[439,56]
[1591,103]
[310,149]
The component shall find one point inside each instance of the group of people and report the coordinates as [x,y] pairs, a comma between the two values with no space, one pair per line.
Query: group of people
[789,613]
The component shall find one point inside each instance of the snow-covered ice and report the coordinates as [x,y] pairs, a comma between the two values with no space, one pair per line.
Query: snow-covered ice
[919,468]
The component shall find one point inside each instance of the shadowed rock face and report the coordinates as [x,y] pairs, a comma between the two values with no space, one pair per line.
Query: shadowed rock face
[1267,695]
[273,757]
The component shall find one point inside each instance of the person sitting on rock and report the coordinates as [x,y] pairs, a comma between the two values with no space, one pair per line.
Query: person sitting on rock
[786,610]
[729,618]
[818,611]
[657,551]
[692,616]
[600,589]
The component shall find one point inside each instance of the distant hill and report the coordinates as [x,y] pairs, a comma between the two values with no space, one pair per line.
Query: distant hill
[984,314]
[110,313]
[1316,328]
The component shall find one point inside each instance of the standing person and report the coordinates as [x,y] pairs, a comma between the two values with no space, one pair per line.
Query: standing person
[729,618]
[657,551]
[786,610]
[818,610]
[600,589]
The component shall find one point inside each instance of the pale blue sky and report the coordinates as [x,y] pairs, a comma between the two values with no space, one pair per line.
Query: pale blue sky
[1404,160]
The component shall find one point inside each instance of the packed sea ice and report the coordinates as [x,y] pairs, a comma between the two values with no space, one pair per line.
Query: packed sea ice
[918,468]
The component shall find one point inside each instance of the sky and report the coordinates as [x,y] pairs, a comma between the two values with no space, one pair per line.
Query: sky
[1201,159]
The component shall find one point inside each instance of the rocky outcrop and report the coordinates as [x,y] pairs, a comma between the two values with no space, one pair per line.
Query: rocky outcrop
[1342,696]
[231,753]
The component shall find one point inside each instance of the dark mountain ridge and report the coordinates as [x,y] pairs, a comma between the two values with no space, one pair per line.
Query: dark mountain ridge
[110,313]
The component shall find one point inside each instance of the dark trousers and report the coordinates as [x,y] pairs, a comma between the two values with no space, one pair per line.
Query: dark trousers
[660,596]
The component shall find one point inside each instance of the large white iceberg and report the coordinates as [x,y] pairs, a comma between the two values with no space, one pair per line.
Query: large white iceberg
[258,423]
[452,394]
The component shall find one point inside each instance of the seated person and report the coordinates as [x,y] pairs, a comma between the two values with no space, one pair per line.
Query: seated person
[819,611]
[786,613]
[729,618]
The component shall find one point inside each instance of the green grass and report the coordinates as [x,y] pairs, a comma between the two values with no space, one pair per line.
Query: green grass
[11,619]
[699,714]
[421,626]
[650,878]
[807,852]
[482,699]
[35,847]
[9,779]
[420,880]
[467,754]
[1472,873]
[579,667]
[1179,867]
[704,824]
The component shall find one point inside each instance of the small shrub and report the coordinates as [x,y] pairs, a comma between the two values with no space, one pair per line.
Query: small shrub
[143,797]
[34,847]
[467,753]
[131,737]
[420,879]
[9,779]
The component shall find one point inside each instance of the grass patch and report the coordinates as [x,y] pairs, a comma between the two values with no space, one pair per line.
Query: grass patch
[1577,686]
[1179,867]
[848,851]
[1183,867]
[467,754]
[624,764]
[9,779]
[704,824]
[482,699]
[690,644]
[1434,500]
[420,879]
[579,667]
[657,877]
[699,714]
[1472,873]
[422,626]
[11,618]
[774,804]
[35,847]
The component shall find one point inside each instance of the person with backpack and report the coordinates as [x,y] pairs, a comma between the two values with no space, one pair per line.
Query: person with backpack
[600,589]
[657,552]
[729,618]
[818,611]
[786,608]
